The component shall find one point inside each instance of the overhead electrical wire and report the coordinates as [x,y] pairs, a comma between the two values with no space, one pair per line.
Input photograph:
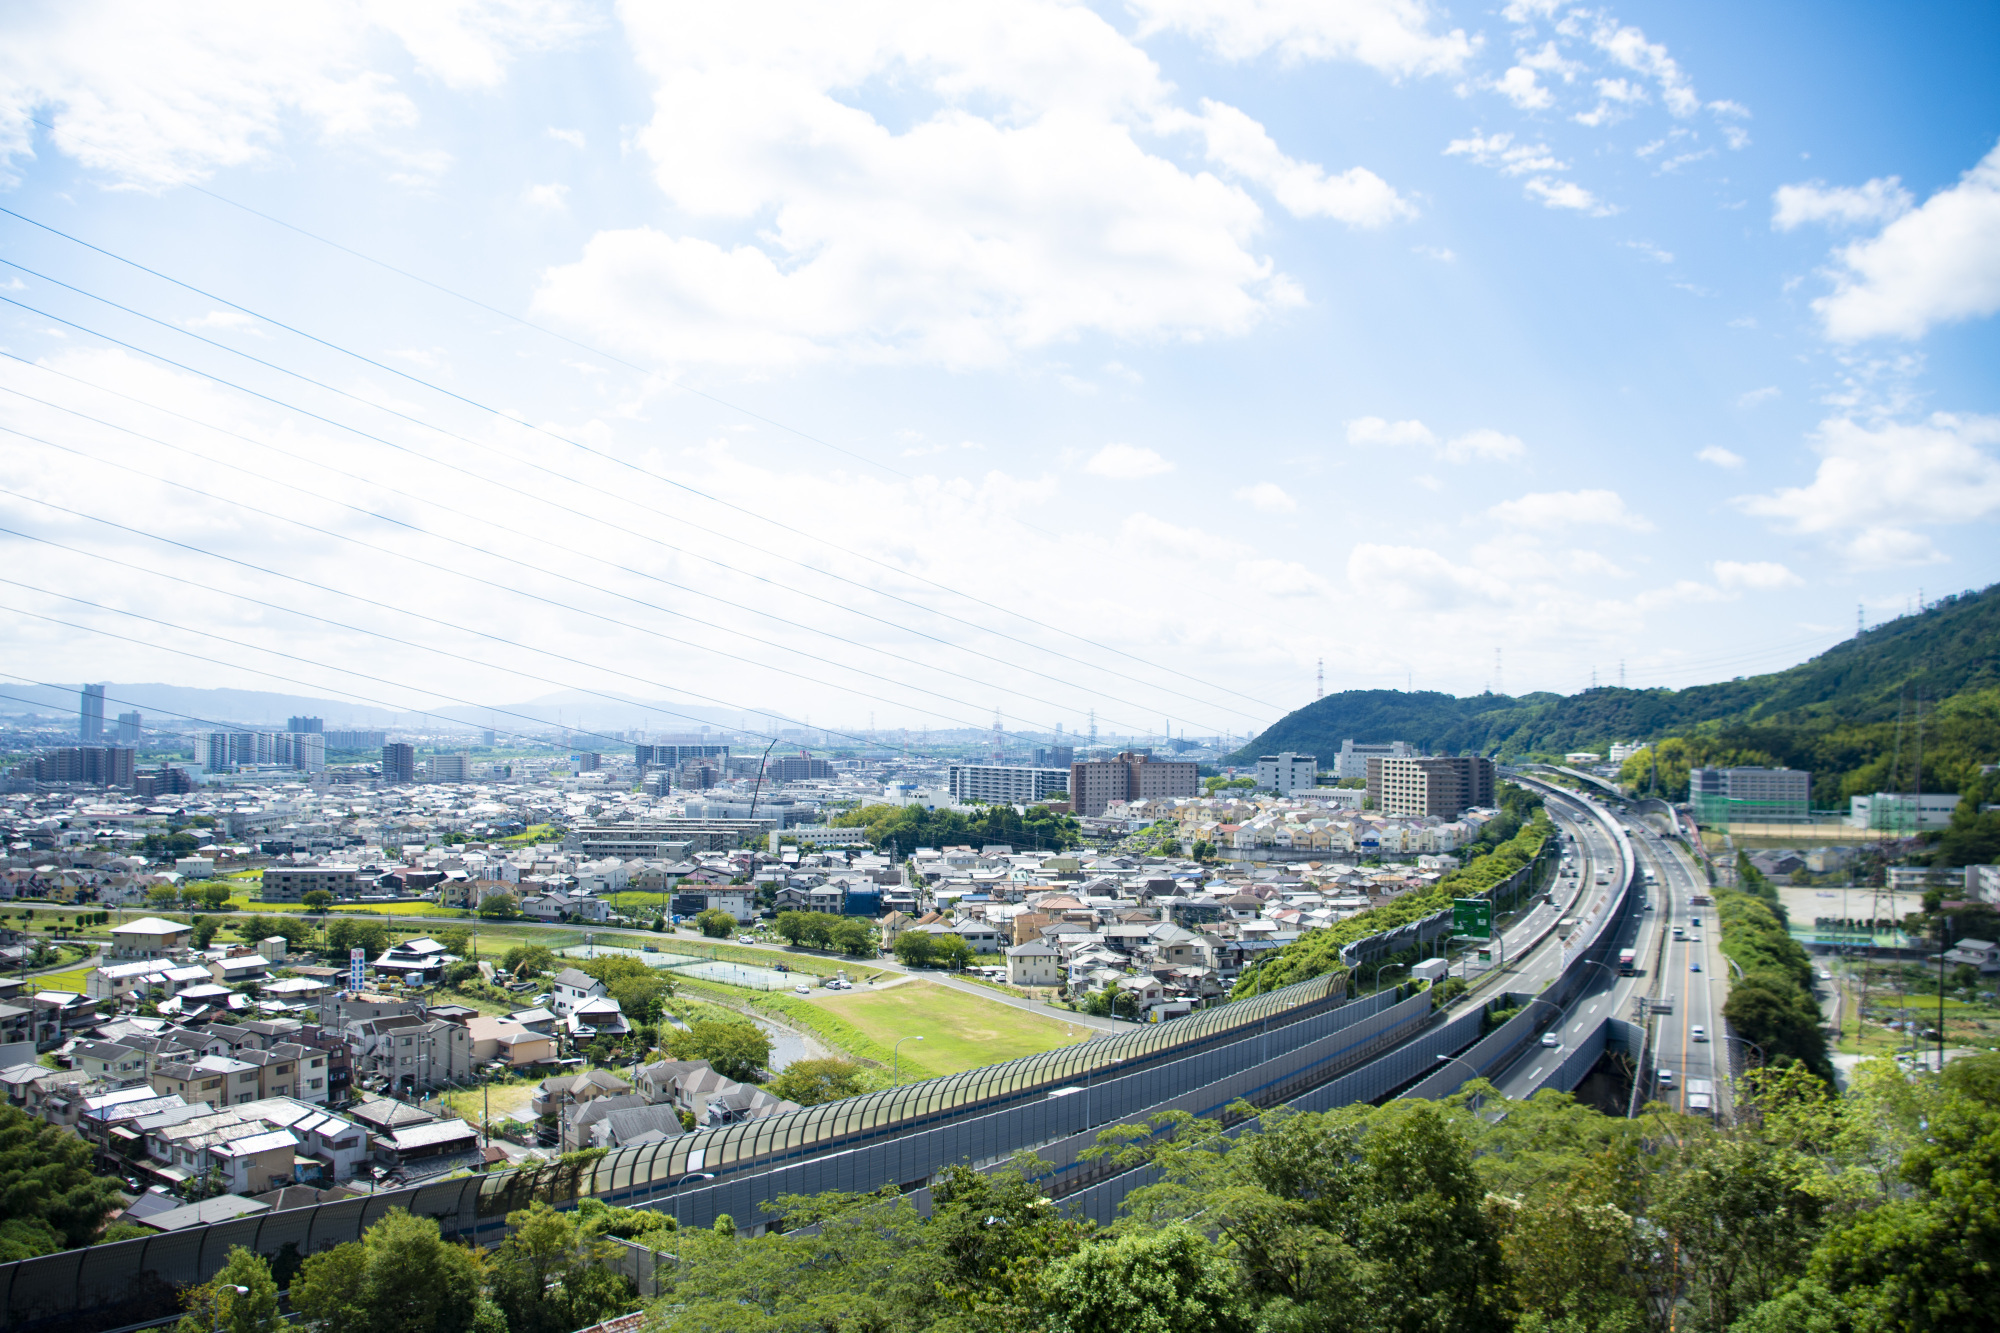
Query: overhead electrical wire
[432,503]
[503,588]
[539,499]
[657,476]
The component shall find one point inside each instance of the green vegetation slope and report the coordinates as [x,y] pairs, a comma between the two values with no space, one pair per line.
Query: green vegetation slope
[1836,714]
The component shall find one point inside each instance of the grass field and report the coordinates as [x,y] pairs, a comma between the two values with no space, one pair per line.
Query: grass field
[507,1101]
[960,1031]
[73,980]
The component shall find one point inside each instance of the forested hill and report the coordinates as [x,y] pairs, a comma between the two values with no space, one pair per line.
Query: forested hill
[1950,650]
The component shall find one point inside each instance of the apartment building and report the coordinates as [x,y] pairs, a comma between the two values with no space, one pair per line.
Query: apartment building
[1750,795]
[289,884]
[1352,761]
[1000,784]
[1133,775]
[1288,772]
[1442,785]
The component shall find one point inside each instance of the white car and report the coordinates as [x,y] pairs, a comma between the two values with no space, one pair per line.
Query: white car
[1552,1041]
[802,990]
[1698,1033]
[1666,1078]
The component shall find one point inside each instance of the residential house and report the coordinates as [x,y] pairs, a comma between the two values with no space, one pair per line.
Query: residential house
[1036,963]
[574,1089]
[573,987]
[150,937]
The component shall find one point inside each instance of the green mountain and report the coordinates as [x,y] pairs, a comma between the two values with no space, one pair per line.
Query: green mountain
[1837,714]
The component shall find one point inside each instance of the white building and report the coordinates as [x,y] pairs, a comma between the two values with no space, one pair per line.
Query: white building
[1352,761]
[1897,811]
[1036,963]
[1002,784]
[1286,773]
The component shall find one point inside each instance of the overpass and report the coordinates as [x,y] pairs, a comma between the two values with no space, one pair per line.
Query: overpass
[1306,1046]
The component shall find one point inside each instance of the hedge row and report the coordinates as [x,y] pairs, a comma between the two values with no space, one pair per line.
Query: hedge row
[1772,1003]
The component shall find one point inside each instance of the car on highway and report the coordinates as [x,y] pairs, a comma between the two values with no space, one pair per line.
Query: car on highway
[1666,1078]
[1694,939]
[1695,966]
[1694,921]
[1551,1040]
[1698,1033]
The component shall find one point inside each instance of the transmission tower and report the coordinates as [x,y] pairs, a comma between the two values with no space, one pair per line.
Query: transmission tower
[996,734]
[1319,682]
[1499,678]
[1093,726]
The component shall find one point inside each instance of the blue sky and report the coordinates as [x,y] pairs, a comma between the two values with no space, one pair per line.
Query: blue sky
[1226,337]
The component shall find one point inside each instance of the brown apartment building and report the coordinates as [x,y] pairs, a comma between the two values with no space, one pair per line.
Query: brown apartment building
[1442,785]
[1134,775]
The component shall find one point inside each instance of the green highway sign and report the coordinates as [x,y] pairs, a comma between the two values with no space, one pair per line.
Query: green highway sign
[1473,917]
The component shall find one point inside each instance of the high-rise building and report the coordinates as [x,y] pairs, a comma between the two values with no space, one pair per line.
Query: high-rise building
[90,715]
[1133,775]
[1750,795]
[1055,756]
[1286,773]
[399,763]
[1002,784]
[356,740]
[1352,761]
[99,765]
[312,725]
[129,727]
[1442,785]
[450,767]
[676,754]
[589,761]
[166,780]
[797,768]
[488,739]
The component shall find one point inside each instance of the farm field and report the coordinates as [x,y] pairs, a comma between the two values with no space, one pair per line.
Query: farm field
[960,1031]
[73,980]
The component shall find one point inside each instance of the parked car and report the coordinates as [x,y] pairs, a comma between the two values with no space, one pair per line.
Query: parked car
[802,990]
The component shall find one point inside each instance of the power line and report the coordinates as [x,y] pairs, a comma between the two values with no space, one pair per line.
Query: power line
[762,518]
[414,614]
[388,519]
[355,430]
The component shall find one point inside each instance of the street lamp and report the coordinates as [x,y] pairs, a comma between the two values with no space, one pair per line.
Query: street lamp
[1447,1059]
[240,1291]
[896,1057]
[692,1175]
[1378,974]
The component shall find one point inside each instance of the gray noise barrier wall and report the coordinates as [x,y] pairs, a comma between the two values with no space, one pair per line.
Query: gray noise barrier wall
[1251,1064]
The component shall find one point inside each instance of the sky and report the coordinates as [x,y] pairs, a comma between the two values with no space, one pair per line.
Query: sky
[890,365]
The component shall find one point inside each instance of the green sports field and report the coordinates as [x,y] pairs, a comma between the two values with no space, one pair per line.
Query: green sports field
[959,1031]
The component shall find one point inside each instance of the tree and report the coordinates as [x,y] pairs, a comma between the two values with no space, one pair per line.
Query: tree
[46,1184]
[216,1306]
[916,948]
[214,897]
[734,1050]
[857,937]
[204,931]
[954,952]
[550,1275]
[715,923]
[316,900]
[1169,1281]
[529,960]
[499,906]
[456,939]
[642,998]
[810,1082]
[791,926]
[372,937]
[400,1277]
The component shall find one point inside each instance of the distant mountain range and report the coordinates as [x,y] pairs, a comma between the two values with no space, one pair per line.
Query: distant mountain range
[1835,713]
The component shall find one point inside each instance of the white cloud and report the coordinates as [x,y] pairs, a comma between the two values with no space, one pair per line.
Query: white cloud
[1650,251]
[1519,86]
[1126,462]
[1757,396]
[1241,146]
[222,319]
[154,96]
[1269,497]
[1416,578]
[1553,509]
[1483,444]
[1937,265]
[1568,194]
[1502,153]
[1881,200]
[1375,430]
[1443,254]
[1486,445]
[1718,456]
[574,138]
[1393,36]
[1549,60]
[1754,575]
[554,198]
[1628,46]
[1013,206]
[1875,486]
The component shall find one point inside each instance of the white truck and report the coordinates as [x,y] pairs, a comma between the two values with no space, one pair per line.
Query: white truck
[1700,1096]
